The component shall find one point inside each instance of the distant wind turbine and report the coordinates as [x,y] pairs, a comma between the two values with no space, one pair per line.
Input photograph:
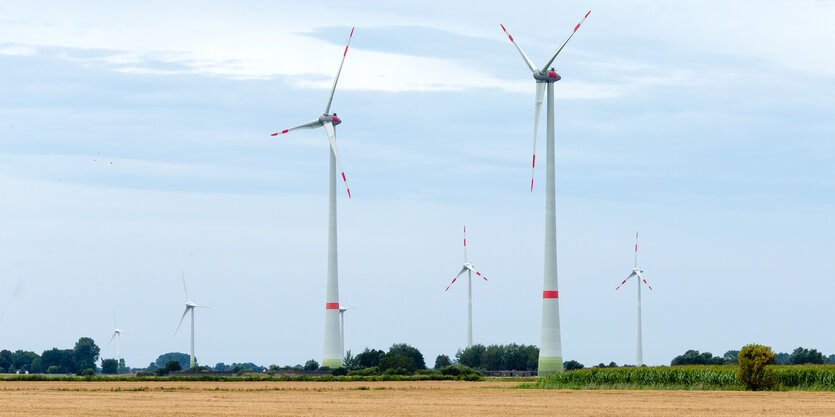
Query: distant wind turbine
[550,349]
[342,310]
[117,334]
[190,306]
[637,272]
[332,356]
[469,269]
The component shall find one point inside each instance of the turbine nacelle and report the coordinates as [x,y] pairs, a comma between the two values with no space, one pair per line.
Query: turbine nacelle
[546,76]
[329,118]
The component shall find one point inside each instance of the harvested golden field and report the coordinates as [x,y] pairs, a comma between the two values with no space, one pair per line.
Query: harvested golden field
[420,398]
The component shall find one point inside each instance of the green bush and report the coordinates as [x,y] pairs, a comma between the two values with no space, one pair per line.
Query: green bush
[753,372]
[371,370]
[339,372]
[87,372]
[311,365]
[53,370]
[456,370]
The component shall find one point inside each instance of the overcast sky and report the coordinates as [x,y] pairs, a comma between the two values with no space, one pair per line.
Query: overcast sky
[134,141]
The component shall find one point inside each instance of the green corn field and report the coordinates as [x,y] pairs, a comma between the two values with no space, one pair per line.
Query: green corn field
[713,377]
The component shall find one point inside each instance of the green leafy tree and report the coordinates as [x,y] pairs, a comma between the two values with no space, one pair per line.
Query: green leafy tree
[782,358]
[753,372]
[36,367]
[802,356]
[367,359]
[396,363]
[442,361]
[514,358]
[572,365]
[60,358]
[173,365]
[183,358]
[6,360]
[693,357]
[731,357]
[410,352]
[54,369]
[85,354]
[491,359]
[22,360]
[87,372]
[109,366]
[311,365]
[220,366]
[470,356]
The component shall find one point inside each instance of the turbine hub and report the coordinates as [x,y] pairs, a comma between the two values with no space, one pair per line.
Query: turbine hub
[547,76]
[330,118]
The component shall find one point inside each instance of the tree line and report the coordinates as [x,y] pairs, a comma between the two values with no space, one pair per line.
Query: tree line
[81,359]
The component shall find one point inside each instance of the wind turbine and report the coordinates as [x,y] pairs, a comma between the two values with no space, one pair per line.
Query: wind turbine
[333,357]
[342,310]
[469,269]
[117,333]
[190,306]
[637,272]
[550,349]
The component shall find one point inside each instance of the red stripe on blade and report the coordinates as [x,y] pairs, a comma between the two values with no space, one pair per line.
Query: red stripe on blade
[550,294]
[577,27]
[587,14]
[502,27]
[349,192]
[352,31]
[274,134]
[346,51]
[533,165]
[331,306]
[531,184]
[465,242]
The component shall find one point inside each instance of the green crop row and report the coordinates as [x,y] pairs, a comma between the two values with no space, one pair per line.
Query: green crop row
[719,377]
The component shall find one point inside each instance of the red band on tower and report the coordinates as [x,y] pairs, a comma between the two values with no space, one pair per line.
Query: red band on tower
[331,306]
[550,294]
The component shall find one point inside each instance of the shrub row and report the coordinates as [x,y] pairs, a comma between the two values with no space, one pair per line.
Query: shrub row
[723,377]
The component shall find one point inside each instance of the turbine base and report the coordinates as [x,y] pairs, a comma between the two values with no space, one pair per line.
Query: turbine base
[550,365]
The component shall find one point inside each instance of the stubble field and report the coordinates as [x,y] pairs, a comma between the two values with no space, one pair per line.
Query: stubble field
[424,398]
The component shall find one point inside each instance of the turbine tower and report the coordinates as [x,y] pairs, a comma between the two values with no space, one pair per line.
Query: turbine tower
[342,310]
[550,349]
[117,333]
[190,306]
[332,355]
[637,272]
[469,269]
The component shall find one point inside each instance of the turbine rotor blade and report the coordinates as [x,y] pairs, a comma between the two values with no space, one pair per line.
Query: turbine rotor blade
[332,138]
[472,268]
[641,277]
[557,52]
[309,125]
[184,283]
[111,338]
[333,89]
[624,281]
[463,269]
[636,249]
[540,94]
[181,320]
[524,56]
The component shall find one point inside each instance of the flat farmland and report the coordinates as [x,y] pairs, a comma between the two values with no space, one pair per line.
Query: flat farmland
[419,398]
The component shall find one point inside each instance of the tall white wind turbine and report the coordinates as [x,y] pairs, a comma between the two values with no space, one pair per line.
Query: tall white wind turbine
[190,306]
[637,272]
[117,333]
[550,349]
[333,357]
[469,269]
